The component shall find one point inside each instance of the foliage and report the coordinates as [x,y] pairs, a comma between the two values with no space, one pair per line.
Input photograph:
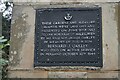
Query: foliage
[2,40]
[3,60]
[6,8]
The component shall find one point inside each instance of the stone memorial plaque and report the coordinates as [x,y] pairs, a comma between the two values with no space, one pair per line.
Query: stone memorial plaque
[68,37]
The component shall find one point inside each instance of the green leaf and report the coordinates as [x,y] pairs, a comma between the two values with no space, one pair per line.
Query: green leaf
[3,62]
[3,40]
[6,45]
[1,46]
[1,37]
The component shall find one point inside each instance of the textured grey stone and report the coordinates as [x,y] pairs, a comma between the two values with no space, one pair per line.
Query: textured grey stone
[67,75]
[103,75]
[62,1]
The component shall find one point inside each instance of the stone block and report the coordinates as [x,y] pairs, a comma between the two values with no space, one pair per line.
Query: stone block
[27,74]
[102,75]
[22,37]
[110,36]
[67,75]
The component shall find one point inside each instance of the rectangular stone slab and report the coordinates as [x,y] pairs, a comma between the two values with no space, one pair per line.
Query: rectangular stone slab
[68,37]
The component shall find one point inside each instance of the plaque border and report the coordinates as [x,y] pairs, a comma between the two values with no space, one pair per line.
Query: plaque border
[92,64]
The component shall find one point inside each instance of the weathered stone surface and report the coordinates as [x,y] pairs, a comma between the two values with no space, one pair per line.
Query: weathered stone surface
[119,35]
[27,74]
[22,45]
[57,2]
[102,75]
[119,39]
[67,1]
[22,37]
[67,75]
[110,36]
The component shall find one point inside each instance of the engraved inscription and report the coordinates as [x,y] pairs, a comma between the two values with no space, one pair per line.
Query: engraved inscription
[71,38]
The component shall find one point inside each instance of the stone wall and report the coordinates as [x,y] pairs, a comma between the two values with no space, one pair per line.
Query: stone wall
[22,43]
[119,38]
